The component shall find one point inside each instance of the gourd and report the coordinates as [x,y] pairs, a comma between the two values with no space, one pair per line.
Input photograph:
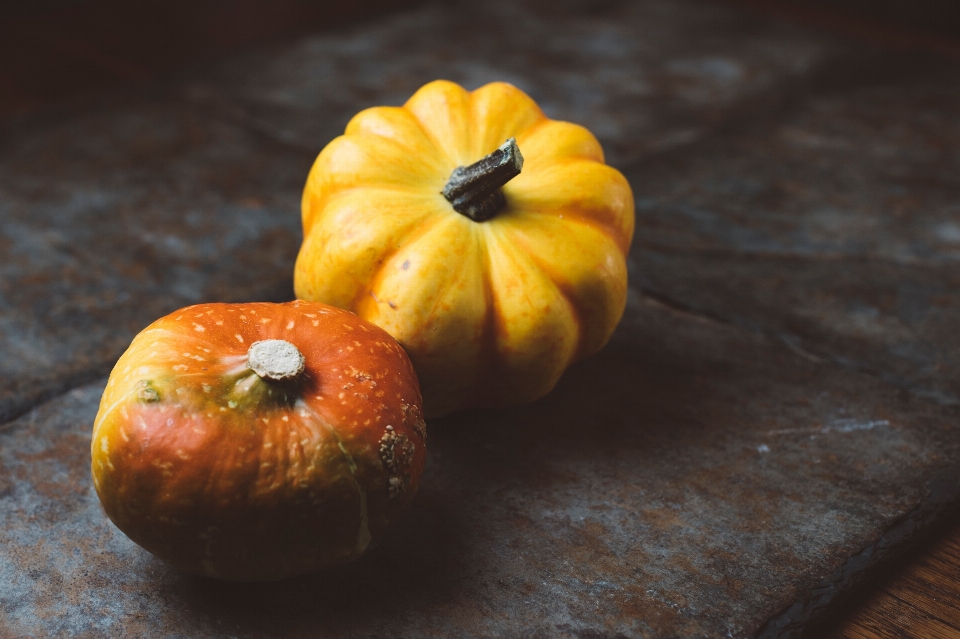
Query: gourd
[259,441]
[488,239]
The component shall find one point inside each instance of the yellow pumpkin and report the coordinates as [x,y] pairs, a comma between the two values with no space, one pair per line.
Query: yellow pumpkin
[493,285]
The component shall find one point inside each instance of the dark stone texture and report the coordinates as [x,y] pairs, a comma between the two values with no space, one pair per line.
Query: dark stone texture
[777,413]
[126,212]
[832,223]
[693,479]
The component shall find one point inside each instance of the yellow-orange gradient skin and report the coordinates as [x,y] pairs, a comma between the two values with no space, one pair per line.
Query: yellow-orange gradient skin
[492,312]
[222,473]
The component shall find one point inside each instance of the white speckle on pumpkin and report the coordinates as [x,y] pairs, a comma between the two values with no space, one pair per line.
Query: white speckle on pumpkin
[239,338]
[198,328]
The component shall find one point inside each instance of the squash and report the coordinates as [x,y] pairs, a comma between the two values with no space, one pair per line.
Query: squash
[258,441]
[488,239]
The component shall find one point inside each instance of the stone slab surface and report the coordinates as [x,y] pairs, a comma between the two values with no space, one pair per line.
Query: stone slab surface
[692,480]
[122,213]
[778,411]
[831,223]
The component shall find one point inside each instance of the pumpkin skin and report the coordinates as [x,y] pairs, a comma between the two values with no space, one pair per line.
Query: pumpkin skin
[225,473]
[491,312]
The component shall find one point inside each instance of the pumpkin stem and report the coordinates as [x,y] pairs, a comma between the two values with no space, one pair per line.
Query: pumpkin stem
[474,190]
[275,358]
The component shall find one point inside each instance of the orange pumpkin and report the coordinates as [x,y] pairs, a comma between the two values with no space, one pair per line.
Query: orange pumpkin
[488,239]
[258,441]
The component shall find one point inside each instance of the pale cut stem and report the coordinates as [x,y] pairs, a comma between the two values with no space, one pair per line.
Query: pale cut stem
[275,359]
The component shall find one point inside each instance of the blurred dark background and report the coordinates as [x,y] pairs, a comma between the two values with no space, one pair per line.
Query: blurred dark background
[53,48]
[50,49]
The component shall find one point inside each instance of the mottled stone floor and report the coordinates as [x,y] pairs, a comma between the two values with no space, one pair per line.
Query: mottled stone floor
[777,412]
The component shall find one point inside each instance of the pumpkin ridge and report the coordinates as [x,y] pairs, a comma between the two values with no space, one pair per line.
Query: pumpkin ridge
[547,164]
[555,281]
[566,129]
[381,273]
[460,274]
[432,86]
[566,290]
[424,167]
[570,215]
[376,150]
[420,210]
[532,128]
[622,235]
[521,105]
[488,336]
[354,127]
[566,287]
[425,227]
[351,191]
[436,143]
[516,253]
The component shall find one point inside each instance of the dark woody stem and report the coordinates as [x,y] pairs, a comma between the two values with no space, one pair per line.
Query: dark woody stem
[474,190]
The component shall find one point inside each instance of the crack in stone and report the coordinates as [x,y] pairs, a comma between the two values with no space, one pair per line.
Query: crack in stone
[795,344]
[13,409]
[805,617]
[793,256]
